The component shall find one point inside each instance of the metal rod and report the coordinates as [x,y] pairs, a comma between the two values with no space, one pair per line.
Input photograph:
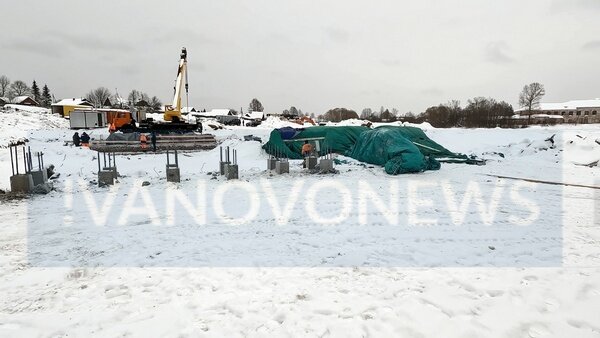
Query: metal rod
[221,152]
[114,161]
[12,165]
[28,159]
[17,159]
[25,160]
[176,159]
[98,162]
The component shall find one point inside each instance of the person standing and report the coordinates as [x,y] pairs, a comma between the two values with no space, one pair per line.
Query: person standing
[143,141]
[76,139]
[85,139]
[153,140]
[307,149]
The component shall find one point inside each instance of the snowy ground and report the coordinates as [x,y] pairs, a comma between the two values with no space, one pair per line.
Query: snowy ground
[525,266]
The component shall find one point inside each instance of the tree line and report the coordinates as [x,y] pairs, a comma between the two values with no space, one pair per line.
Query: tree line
[17,88]
[102,97]
[480,112]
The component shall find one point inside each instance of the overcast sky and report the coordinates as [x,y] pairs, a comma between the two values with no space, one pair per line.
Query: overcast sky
[314,55]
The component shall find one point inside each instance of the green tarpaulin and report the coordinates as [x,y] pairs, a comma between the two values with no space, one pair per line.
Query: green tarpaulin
[398,149]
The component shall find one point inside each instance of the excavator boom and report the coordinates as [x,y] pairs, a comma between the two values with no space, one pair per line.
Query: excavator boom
[173,111]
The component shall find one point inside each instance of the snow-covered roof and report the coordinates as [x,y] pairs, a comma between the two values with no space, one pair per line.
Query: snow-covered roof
[536,116]
[254,115]
[569,105]
[188,110]
[72,102]
[219,112]
[20,99]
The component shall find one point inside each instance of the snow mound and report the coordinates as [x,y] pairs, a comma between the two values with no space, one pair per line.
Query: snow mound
[17,121]
[276,122]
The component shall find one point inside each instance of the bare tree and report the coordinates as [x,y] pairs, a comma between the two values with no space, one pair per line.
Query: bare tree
[155,104]
[4,85]
[145,97]
[98,96]
[134,96]
[18,88]
[530,97]
[366,113]
[255,105]
[339,114]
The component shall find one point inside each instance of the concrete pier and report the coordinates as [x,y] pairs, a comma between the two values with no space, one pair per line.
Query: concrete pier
[231,171]
[173,174]
[282,167]
[326,165]
[106,177]
[39,177]
[310,162]
[22,183]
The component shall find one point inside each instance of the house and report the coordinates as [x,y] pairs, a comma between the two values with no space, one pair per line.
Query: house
[254,116]
[66,106]
[215,112]
[24,101]
[225,116]
[187,110]
[575,111]
[3,101]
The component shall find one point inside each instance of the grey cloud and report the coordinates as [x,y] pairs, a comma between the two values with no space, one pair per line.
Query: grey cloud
[594,44]
[576,4]
[43,48]
[495,52]
[391,62]
[337,34]
[433,91]
[183,34]
[90,42]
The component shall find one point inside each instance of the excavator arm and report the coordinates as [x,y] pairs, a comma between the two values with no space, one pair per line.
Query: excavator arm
[173,111]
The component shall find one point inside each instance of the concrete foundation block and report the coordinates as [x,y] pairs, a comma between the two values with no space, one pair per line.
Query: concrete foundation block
[282,167]
[231,171]
[326,164]
[173,175]
[310,162]
[39,177]
[271,164]
[21,183]
[113,170]
[106,177]
[222,167]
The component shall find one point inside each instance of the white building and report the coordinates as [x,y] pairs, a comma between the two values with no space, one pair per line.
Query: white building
[576,111]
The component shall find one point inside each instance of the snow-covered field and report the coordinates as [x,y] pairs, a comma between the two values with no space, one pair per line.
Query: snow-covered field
[357,254]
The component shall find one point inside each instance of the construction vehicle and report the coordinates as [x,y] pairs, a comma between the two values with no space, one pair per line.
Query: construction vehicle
[172,114]
[173,111]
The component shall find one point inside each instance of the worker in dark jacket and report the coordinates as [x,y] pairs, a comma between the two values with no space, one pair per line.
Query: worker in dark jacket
[85,139]
[153,140]
[76,139]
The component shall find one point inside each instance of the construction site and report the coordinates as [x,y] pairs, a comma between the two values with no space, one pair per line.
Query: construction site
[121,222]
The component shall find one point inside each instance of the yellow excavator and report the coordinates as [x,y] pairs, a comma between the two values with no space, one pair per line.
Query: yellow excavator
[173,111]
[172,114]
